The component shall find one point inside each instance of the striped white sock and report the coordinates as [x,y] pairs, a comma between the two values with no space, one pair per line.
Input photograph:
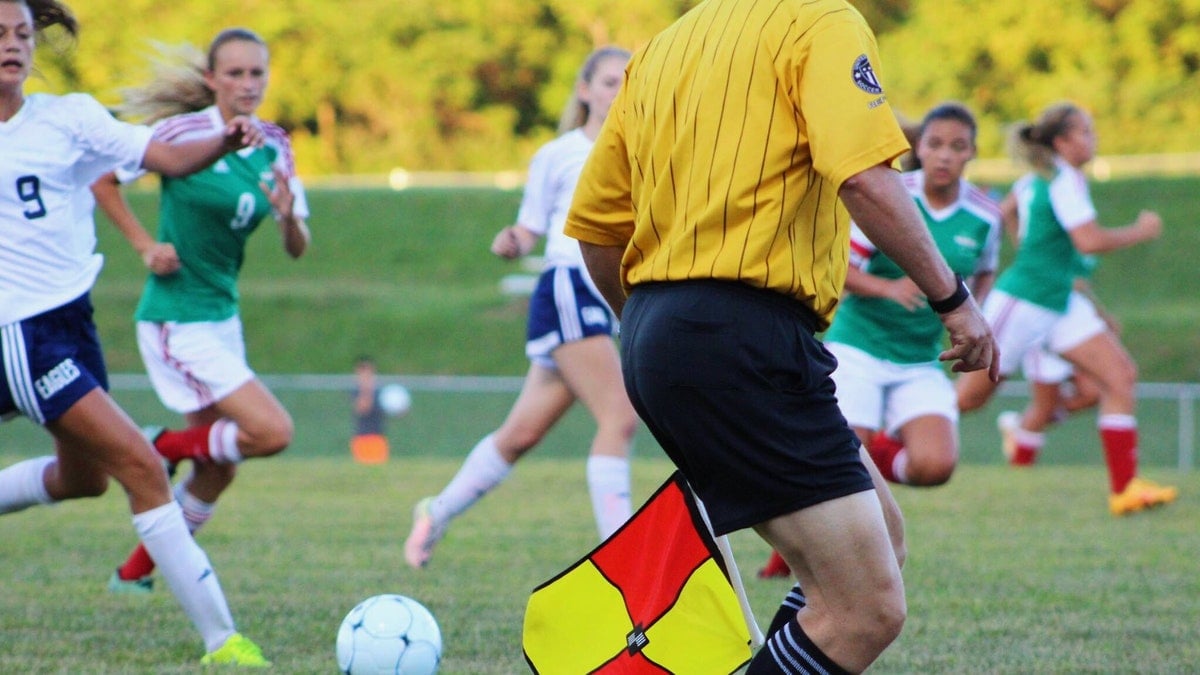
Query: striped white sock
[222,442]
[196,511]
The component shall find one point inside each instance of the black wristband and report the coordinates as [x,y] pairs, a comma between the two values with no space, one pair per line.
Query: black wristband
[955,300]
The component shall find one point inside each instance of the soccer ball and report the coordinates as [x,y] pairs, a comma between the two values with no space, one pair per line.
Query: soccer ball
[391,634]
[394,399]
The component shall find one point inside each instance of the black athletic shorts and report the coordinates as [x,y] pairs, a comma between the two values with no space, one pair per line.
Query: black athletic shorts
[735,387]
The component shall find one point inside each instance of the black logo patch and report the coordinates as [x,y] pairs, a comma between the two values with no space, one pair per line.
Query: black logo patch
[636,640]
[864,76]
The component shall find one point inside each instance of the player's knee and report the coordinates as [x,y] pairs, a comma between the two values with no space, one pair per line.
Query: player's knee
[621,425]
[876,621]
[969,400]
[514,441]
[84,487]
[893,612]
[931,471]
[1127,375]
[271,438]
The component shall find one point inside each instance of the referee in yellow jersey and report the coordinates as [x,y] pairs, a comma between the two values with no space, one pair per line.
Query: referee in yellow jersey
[710,220]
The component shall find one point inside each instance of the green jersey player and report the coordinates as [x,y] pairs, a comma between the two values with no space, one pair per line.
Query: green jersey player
[887,338]
[188,326]
[1058,224]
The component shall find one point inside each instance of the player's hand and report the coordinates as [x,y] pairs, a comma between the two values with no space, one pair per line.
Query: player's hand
[905,292]
[972,346]
[161,259]
[506,244]
[241,132]
[280,195]
[1150,224]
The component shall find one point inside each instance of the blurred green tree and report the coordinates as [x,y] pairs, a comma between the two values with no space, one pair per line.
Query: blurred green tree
[367,85]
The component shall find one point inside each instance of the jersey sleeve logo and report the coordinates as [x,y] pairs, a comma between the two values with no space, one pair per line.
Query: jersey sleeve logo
[864,76]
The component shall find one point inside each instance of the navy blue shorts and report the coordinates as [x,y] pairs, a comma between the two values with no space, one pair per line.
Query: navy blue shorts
[50,362]
[737,390]
[565,307]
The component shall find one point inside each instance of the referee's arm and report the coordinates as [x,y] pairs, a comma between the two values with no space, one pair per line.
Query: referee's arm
[604,266]
[881,207]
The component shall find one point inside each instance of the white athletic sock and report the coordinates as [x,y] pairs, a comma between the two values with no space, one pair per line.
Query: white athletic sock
[222,442]
[608,483]
[481,471]
[1030,439]
[196,511]
[23,484]
[187,571]
[900,466]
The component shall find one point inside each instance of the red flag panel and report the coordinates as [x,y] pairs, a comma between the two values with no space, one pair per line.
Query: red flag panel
[650,578]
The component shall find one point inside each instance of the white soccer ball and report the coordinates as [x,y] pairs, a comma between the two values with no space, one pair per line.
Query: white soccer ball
[394,399]
[391,634]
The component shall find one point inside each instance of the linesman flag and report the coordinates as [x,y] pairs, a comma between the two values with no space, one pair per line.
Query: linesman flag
[653,598]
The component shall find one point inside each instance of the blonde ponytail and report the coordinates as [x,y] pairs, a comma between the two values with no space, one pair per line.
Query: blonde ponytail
[177,86]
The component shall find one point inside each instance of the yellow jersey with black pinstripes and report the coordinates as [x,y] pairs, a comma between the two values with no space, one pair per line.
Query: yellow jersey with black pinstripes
[722,155]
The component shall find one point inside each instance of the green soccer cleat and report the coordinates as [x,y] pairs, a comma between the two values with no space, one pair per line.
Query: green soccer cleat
[238,650]
[140,586]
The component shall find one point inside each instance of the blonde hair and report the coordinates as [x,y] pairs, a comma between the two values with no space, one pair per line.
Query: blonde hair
[177,85]
[575,113]
[1033,142]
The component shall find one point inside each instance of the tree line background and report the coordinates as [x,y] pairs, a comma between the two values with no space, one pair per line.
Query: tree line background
[477,85]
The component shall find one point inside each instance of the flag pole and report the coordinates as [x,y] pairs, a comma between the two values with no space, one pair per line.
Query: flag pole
[735,577]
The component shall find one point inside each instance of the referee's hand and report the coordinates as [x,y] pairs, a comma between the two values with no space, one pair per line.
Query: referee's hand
[972,346]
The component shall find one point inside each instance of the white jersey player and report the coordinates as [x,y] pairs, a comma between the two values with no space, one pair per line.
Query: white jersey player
[53,148]
[569,337]
[189,325]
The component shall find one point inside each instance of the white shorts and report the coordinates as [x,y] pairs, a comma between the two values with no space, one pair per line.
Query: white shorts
[1081,323]
[193,365]
[1018,327]
[876,394]
[1045,367]
[1025,333]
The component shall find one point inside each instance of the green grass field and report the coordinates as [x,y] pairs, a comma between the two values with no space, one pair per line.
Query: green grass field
[1010,571]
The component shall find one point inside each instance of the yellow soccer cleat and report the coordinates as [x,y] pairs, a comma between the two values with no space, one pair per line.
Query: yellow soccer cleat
[238,650]
[1141,494]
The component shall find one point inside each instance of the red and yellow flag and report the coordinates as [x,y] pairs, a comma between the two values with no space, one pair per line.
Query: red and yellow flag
[655,597]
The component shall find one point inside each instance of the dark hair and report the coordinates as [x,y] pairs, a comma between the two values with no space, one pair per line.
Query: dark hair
[47,13]
[950,111]
[955,112]
[1033,142]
